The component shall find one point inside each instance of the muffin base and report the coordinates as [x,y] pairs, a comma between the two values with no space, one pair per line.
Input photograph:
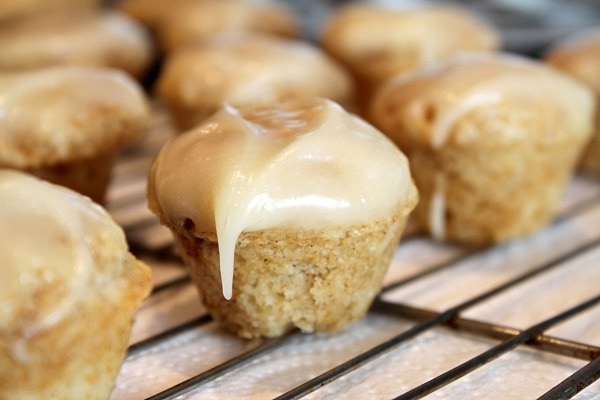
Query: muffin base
[492,192]
[90,176]
[313,280]
[590,160]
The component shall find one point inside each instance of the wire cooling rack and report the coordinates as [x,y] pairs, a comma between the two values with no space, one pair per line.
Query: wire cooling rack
[519,320]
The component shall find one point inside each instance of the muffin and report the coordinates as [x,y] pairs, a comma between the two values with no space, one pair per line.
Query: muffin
[90,38]
[69,292]
[492,140]
[244,70]
[68,124]
[187,22]
[286,215]
[579,56]
[376,42]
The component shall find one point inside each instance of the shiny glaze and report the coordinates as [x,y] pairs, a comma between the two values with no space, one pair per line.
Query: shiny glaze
[304,164]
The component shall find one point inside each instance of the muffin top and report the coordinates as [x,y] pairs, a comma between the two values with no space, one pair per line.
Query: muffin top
[301,164]
[379,42]
[60,114]
[425,105]
[249,69]
[188,22]
[59,248]
[94,38]
[578,55]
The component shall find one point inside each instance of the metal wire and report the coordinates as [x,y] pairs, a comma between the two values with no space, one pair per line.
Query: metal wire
[428,320]
[575,383]
[219,370]
[495,352]
[436,320]
[545,343]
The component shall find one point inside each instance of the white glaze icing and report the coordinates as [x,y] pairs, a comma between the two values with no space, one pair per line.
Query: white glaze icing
[81,37]
[303,165]
[382,40]
[471,80]
[444,124]
[437,209]
[47,264]
[57,113]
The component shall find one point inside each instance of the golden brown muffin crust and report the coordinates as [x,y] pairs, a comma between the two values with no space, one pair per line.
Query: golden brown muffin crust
[311,280]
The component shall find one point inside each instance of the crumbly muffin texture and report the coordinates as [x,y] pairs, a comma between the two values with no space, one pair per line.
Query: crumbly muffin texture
[524,178]
[317,281]
[492,139]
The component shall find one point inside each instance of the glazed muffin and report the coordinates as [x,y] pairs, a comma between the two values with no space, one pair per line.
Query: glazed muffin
[286,215]
[89,38]
[579,56]
[69,292]
[376,42]
[68,124]
[492,141]
[244,70]
[187,22]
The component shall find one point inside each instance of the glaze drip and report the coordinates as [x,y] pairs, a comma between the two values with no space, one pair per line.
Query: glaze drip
[303,164]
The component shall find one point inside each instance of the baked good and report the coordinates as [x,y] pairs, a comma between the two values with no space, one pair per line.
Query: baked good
[492,140]
[69,291]
[83,37]
[579,56]
[188,22]
[246,69]
[10,9]
[377,42]
[68,124]
[286,215]
[150,12]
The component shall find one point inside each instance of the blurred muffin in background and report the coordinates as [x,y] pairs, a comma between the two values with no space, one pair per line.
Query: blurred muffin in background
[184,22]
[69,289]
[149,12]
[493,140]
[377,42]
[76,37]
[579,56]
[247,69]
[68,124]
